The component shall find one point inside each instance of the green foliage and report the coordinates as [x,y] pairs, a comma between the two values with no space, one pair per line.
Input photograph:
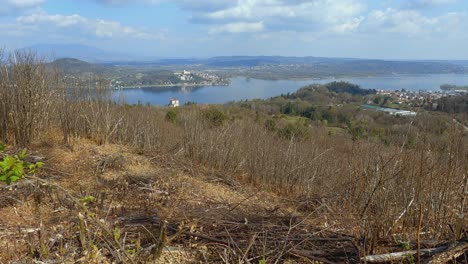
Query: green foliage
[190,103]
[214,116]
[378,132]
[171,116]
[382,100]
[453,104]
[14,167]
[298,130]
[410,258]
[345,87]
[405,245]
[331,115]
[117,233]
[88,199]
[289,109]
[262,261]
[357,129]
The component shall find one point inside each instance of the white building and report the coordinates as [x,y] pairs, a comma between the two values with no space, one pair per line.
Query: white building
[174,102]
[184,75]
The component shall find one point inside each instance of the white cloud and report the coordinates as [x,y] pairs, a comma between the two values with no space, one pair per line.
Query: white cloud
[330,10]
[238,27]
[349,26]
[97,27]
[319,15]
[397,21]
[58,20]
[316,15]
[414,23]
[193,5]
[24,3]
[9,7]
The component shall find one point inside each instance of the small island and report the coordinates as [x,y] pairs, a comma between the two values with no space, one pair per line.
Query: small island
[453,87]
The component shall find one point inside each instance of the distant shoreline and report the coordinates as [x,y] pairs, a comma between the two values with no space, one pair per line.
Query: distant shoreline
[453,87]
[339,77]
[170,85]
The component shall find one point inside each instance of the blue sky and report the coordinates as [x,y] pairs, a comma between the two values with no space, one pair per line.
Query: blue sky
[387,29]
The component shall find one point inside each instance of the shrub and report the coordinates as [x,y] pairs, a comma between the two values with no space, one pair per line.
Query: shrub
[214,116]
[297,130]
[14,167]
[357,129]
[171,116]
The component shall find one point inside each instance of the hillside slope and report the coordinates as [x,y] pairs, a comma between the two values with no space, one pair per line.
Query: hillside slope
[106,203]
[201,211]
[75,67]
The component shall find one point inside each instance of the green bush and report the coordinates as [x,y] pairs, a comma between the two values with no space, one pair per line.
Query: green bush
[297,130]
[214,116]
[14,167]
[171,116]
[357,129]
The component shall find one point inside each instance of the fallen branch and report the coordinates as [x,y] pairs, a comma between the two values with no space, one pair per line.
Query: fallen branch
[397,256]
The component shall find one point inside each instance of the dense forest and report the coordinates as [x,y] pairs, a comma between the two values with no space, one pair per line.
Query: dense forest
[453,104]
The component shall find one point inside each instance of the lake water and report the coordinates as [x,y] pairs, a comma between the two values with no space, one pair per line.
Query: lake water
[242,88]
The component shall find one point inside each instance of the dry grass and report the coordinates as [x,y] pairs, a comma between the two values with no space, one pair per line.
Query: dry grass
[143,187]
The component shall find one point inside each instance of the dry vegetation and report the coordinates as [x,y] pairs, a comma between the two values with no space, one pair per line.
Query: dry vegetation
[212,184]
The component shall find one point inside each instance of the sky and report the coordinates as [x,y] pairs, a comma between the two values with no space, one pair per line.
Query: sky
[384,29]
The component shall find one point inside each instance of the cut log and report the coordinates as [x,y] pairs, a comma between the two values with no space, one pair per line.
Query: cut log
[397,256]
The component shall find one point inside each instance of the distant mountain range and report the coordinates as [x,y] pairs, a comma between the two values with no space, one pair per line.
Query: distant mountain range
[81,52]
[248,61]
[88,59]
[463,63]
[96,55]
[352,65]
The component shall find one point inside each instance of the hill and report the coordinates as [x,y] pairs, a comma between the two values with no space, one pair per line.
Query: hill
[264,67]
[77,68]
[362,64]
[277,67]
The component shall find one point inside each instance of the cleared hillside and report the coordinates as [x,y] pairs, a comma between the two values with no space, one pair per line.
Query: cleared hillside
[105,182]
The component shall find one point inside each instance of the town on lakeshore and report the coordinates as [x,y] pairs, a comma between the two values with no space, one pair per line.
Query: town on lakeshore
[182,78]
[417,98]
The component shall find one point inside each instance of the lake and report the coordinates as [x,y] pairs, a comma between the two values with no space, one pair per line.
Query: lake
[242,88]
